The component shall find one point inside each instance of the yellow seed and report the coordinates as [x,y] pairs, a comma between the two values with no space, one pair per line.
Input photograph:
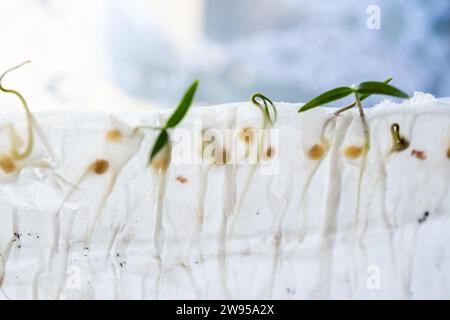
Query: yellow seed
[7,163]
[316,152]
[161,161]
[113,135]
[160,164]
[247,135]
[353,152]
[100,166]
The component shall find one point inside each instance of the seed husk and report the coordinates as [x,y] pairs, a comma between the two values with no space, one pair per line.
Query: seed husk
[7,163]
[353,152]
[113,135]
[316,152]
[100,166]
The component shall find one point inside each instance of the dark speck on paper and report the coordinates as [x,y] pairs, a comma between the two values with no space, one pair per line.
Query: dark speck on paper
[425,216]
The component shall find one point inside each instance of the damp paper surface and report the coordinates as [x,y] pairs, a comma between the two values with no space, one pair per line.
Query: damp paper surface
[296,224]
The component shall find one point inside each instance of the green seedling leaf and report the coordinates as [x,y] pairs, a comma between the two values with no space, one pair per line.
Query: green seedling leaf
[159,143]
[375,87]
[326,97]
[176,117]
[183,107]
[366,95]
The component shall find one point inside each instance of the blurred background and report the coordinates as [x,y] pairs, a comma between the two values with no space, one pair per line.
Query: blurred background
[138,54]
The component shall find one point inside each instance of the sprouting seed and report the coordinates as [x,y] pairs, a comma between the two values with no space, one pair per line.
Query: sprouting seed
[267,107]
[177,116]
[15,152]
[7,163]
[113,135]
[316,152]
[399,143]
[160,162]
[353,152]
[270,152]
[360,92]
[100,166]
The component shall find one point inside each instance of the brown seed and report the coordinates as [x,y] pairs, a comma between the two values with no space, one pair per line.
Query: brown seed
[316,152]
[113,135]
[269,152]
[421,155]
[353,152]
[448,153]
[181,179]
[7,163]
[100,166]
[247,135]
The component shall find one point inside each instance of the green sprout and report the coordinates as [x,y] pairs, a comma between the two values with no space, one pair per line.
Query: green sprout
[399,142]
[14,149]
[268,108]
[177,116]
[363,91]
[360,92]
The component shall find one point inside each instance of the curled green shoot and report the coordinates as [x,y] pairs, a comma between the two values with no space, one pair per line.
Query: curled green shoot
[14,149]
[267,107]
[399,142]
[270,115]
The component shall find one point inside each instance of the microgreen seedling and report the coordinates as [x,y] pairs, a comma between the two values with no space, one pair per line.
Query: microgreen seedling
[269,113]
[363,90]
[324,143]
[360,92]
[14,149]
[160,159]
[176,117]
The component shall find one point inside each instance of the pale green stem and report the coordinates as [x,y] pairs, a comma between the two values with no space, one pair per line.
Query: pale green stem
[14,150]
[363,121]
